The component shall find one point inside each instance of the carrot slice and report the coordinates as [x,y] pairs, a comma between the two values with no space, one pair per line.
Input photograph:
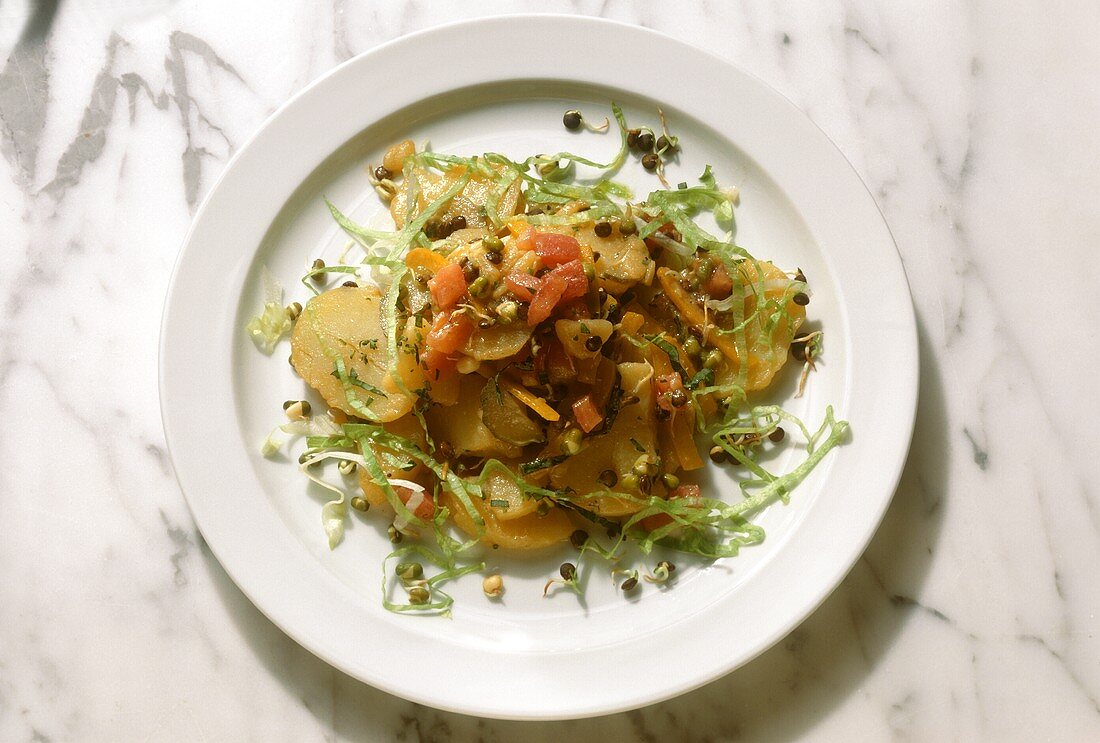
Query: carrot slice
[683,441]
[530,399]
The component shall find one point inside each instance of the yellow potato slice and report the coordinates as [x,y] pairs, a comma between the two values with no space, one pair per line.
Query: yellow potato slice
[624,259]
[574,335]
[461,426]
[497,341]
[345,324]
[499,487]
[525,533]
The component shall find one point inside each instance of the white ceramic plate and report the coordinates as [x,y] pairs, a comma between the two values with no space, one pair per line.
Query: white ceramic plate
[502,84]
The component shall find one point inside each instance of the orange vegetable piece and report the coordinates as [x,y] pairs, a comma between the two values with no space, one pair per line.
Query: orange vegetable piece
[546,299]
[587,414]
[447,286]
[555,248]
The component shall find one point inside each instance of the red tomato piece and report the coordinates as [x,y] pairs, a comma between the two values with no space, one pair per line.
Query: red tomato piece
[546,299]
[449,332]
[424,509]
[666,384]
[656,521]
[447,286]
[576,281]
[554,248]
[523,285]
[587,414]
[438,365]
[687,490]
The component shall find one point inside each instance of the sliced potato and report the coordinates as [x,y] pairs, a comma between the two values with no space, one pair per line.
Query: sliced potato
[497,342]
[469,202]
[499,487]
[345,324]
[461,426]
[503,414]
[768,347]
[432,186]
[624,259]
[524,533]
[445,391]
[574,335]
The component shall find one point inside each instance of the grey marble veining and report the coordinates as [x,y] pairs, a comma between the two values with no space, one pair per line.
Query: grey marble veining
[971,616]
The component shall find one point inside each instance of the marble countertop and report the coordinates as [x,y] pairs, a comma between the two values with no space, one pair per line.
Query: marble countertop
[973,614]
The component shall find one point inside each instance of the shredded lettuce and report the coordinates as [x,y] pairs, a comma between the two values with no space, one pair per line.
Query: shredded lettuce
[335,512]
[274,321]
[271,444]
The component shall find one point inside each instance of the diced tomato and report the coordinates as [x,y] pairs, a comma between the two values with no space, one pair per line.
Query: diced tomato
[523,285]
[666,384]
[576,281]
[447,286]
[555,248]
[719,285]
[655,522]
[587,414]
[688,491]
[438,365]
[564,283]
[546,299]
[424,510]
[449,332]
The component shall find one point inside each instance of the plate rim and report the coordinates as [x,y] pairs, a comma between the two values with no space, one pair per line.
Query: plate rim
[905,391]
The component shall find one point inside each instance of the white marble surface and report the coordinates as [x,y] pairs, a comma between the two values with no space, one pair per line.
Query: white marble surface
[972,615]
